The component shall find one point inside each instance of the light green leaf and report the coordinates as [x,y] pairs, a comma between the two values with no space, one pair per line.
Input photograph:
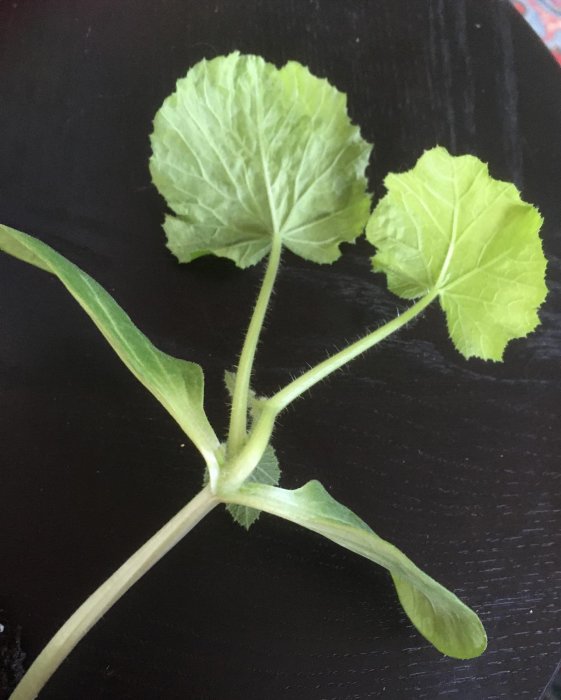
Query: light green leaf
[178,385]
[452,627]
[243,151]
[267,472]
[447,227]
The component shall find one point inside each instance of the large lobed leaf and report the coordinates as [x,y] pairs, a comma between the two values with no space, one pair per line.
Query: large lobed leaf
[452,627]
[177,384]
[447,227]
[243,151]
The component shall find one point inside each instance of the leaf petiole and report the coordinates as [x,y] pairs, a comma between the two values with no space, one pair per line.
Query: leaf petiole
[242,464]
[301,384]
[238,417]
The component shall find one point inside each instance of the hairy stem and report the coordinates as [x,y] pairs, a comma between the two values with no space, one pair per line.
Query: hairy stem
[244,462]
[305,381]
[109,593]
[238,417]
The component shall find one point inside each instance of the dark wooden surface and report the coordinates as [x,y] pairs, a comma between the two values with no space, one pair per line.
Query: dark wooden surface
[456,462]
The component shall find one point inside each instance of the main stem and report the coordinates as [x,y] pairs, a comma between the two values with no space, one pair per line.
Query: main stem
[109,593]
[238,417]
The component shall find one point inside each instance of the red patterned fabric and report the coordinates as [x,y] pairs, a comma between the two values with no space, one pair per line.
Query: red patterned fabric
[545,18]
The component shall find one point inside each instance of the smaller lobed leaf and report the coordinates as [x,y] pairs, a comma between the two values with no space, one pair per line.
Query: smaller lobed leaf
[268,473]
[447,228]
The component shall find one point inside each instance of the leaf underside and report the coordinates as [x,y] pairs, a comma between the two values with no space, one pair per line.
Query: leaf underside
[452,627]
[244,151]
[447,226]
[177,384]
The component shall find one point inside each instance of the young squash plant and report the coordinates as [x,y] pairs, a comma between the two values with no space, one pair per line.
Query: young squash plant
[252,159]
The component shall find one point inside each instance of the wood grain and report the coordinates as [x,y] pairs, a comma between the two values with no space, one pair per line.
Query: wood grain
[456,462]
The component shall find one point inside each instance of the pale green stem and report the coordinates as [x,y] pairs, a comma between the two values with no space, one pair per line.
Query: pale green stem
[109,593]
[238,417]
[243,463]
[292,391]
